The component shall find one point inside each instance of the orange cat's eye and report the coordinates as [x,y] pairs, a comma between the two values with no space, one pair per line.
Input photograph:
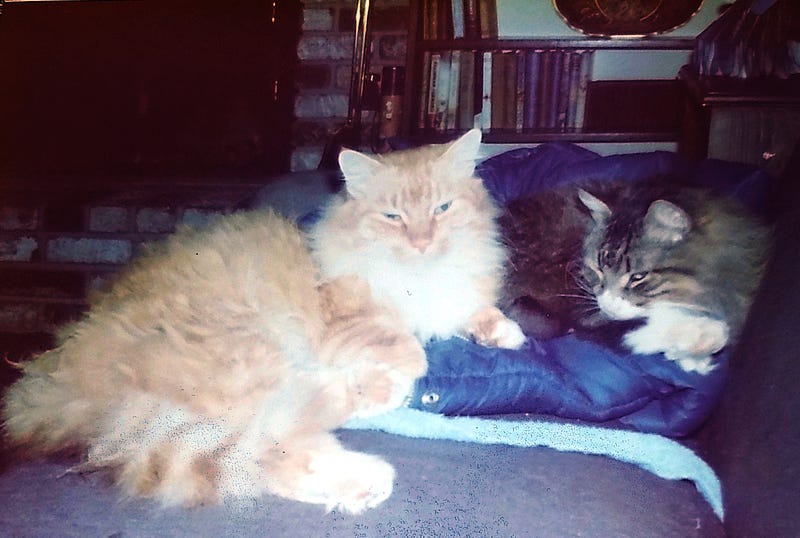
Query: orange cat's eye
[394,217]
[442,208]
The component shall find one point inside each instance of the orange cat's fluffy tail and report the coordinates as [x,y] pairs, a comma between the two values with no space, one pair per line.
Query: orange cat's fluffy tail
[39,412]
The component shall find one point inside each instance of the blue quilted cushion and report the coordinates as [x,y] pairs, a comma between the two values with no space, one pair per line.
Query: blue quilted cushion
[566,377]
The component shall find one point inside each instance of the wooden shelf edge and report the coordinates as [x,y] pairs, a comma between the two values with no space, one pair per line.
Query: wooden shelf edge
[761,91]
[536,137]
[62,266]
[36,299]
[647,43]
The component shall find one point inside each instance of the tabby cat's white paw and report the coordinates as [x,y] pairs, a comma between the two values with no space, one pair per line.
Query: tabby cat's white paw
[704,337]
[701,365]
[683,336]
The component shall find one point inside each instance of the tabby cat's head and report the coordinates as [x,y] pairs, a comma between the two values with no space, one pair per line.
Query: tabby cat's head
[628,258]
[414,201]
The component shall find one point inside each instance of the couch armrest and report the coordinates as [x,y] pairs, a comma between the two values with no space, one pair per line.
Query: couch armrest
[753,437]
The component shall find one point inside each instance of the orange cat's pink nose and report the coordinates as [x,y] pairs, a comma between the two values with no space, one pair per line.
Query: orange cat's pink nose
[421,243]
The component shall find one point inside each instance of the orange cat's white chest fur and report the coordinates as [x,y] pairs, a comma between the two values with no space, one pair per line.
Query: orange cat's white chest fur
[433,295]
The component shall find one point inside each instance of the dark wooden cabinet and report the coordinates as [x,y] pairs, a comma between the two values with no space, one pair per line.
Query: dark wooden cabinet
[147,88]
[755,121]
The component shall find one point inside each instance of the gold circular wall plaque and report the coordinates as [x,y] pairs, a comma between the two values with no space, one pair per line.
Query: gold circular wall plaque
[618,18]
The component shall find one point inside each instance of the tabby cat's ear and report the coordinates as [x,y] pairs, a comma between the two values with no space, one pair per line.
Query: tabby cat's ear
[598,208]
[358,169]
[460,157]
[666,223]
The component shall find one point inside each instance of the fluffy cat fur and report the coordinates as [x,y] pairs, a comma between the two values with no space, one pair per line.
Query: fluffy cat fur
[665,268]
[216,367]
[420,228]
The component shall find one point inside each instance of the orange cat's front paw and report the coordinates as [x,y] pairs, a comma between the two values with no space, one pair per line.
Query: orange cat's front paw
[490,327]
[381,387]
[338,479]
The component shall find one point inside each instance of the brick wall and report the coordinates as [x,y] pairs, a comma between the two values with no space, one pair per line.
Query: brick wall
[325,51]
[55,247]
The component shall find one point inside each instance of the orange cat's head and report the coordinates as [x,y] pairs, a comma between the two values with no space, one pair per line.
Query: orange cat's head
[415,200]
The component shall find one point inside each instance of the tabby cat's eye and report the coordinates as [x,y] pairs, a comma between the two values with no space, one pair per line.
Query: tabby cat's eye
[637,277]
[442,208]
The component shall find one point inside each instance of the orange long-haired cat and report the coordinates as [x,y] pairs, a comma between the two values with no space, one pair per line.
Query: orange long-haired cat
[220,362]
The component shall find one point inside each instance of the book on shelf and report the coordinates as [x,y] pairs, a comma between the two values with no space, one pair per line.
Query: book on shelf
[433,90]
[531,105]
[454,86]
[444,29]
[442,91]
[459,19]
[554,87]
[544,82]
[498,94]
[422,116]
[487,16]
[505,90]
[472,25]
[486,95]
[519,94]
[584,76]
[562,97]
[575,60]
[430,18]
[466,91]
[510,91]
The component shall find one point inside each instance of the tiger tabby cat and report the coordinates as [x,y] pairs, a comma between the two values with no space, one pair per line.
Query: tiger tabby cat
[652,265]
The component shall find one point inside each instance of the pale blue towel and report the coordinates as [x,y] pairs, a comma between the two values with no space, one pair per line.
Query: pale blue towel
[659,455]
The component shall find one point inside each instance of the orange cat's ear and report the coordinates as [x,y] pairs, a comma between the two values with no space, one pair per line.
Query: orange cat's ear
[358,170]
[460,157]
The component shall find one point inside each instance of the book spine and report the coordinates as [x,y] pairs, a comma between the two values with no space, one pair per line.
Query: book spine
[426,19]
[487,15]
[519,119]
[472,28]
[424,99]
[545,72]
[510,90]
[457,14]
[563,91]
[498,90]
[434,18]
[532,59]
[574,81]
[587,60]
[492,14]
[433,89]
[445,22]
[486,95]
[466,97]
[455,85]
[442,91]
[554,87]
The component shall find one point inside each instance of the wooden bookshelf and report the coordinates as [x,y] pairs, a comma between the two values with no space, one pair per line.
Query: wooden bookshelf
[610,111]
